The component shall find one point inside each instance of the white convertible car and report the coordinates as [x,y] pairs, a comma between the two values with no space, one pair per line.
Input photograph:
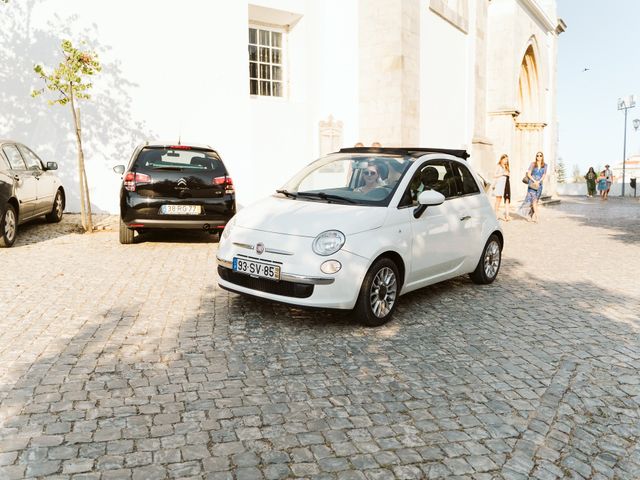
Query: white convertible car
[358,228]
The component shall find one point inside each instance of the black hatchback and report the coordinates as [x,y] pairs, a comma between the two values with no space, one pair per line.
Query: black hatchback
[174,186]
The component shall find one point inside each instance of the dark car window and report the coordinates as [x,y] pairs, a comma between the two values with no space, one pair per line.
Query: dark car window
[4,165]
[33,162]
[433,175]
[14,157]
[465,183]
[178,159]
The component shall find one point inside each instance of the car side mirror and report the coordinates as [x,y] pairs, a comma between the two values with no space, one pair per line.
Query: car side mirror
[119,169]
[52,166]
[428,198]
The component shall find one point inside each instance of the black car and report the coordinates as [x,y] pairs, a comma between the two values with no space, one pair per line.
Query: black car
[28,190]
[174,186]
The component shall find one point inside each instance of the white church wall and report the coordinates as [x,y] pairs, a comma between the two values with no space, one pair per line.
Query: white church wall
[445,106]
[181,70]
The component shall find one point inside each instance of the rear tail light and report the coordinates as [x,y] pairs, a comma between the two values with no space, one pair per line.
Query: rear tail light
[131,180]
[226,181]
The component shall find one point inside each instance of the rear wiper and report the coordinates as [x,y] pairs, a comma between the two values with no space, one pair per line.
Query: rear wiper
[167,168]
[286,193]
[326,196]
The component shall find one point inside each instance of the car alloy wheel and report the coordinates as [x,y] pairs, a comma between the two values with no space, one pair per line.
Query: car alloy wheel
[10,225]
[383,291]
[489,264]
[492,259]
[58,205]
[379,293]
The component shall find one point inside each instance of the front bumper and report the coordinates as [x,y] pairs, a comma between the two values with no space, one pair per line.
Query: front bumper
[301,281]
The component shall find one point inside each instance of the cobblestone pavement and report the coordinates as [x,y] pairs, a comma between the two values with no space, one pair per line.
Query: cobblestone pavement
[129,362]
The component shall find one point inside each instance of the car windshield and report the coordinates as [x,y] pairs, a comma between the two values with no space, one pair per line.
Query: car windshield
[181,159]
[362,179]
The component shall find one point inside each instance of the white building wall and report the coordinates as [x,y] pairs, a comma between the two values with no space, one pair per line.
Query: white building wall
[445,106]
[180,69]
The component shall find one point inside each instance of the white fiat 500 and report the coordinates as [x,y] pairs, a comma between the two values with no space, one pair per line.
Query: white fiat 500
[358,228]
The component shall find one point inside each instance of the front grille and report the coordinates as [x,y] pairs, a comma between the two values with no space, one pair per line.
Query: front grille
[277,287]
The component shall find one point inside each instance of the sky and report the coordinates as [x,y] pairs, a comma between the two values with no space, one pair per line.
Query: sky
[600,36]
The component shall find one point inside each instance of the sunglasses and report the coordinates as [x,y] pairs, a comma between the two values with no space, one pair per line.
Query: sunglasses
[538,155]
[369,173]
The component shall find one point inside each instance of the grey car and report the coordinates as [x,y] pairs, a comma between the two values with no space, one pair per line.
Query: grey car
[28,189]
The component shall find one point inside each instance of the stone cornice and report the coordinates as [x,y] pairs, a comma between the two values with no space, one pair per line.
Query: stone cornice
[530,125]
[539,14]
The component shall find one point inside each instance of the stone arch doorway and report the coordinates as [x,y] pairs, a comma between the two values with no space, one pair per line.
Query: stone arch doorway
[529,127]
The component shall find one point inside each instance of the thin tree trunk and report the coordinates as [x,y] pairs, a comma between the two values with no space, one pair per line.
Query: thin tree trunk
[85,201]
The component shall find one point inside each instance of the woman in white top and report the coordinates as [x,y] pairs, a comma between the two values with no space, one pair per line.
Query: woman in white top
[502,188]
[372,180]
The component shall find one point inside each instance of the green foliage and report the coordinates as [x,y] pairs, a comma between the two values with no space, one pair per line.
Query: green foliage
[560,171]
[68,79]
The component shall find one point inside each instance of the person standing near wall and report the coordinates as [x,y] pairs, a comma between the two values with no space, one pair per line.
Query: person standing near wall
[591,177]
[502,189]
[608,175]
[536,173]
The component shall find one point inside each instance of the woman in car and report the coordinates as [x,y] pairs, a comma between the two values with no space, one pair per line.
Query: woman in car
[372,180]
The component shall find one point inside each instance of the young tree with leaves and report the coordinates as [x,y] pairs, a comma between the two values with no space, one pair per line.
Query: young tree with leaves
[69,82]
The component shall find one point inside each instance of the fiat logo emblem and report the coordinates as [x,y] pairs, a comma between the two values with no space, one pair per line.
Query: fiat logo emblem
[260,248]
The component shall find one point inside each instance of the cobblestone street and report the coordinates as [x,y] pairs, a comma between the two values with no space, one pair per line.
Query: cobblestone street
[129,362]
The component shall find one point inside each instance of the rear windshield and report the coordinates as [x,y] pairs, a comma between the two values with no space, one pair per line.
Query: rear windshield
[180,160]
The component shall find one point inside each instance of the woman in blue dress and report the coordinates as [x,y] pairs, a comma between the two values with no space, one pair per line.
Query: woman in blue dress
[536,173]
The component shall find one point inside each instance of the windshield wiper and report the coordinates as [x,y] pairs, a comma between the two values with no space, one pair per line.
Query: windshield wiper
[326,196]
[287,193]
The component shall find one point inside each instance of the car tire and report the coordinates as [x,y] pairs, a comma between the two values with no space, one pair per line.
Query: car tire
[489,264]
[126,234]
[58,207]
[8,226]
[378,294]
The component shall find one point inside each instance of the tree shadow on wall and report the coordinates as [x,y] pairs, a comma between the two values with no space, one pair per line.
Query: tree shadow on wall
[108,127]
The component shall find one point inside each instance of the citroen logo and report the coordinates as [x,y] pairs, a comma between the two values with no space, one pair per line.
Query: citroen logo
[182,183]
[260,248]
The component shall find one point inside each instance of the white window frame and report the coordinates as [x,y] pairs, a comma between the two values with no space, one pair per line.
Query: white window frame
[283,57]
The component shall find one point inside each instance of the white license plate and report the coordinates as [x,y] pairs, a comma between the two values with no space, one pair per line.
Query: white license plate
[256,269]
[180,209]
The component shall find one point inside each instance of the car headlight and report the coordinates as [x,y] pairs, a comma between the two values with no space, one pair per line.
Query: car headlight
[228,227]
[328,243]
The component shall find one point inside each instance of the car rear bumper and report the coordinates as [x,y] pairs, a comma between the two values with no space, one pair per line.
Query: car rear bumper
[144,212]
[182,224]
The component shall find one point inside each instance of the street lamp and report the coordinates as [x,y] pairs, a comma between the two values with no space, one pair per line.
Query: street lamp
[625,104]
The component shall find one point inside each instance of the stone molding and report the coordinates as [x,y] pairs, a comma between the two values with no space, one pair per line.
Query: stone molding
[531,126]
[514,112]
[534,8]
[458,17]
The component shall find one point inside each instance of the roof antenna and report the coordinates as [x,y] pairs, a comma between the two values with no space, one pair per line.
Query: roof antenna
[179,137]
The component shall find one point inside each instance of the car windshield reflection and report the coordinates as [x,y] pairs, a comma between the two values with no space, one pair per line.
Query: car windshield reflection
[360,179]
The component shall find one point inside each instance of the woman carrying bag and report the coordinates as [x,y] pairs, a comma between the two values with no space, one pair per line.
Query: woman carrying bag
[536,174]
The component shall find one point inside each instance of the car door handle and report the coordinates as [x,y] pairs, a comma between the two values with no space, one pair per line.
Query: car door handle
[466,217]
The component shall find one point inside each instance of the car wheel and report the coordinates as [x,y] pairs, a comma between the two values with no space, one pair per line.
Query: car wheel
[489,263]
[126,234]
[58,206]
[8,226]
[378,294]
